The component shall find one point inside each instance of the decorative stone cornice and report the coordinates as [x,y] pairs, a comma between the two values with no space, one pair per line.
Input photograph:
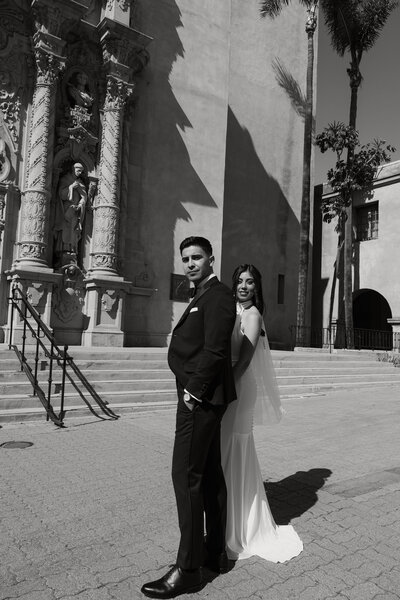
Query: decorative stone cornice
[124,49]
[47,16]
[50,16]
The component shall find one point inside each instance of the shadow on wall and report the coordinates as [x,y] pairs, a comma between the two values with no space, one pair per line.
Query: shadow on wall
[167,178]
[259,227]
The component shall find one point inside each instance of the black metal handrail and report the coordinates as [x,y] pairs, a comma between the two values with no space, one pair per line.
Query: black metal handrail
[338,336]
[41,333]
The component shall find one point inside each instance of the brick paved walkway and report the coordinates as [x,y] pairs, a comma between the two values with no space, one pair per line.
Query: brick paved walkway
[87,513]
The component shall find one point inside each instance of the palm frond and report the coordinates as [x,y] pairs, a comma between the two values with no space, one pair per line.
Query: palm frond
[273,8]
[373,17]
[355,25]
[338,16]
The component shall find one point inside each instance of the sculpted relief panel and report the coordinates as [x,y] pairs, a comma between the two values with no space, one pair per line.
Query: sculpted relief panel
[15,68]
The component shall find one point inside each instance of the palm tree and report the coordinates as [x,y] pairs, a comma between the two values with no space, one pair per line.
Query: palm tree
[272,8]
[354,27]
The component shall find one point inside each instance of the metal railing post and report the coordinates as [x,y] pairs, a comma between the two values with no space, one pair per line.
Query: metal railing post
[10,340]
[50,380]
[37,355]
[24,334]
[64,368]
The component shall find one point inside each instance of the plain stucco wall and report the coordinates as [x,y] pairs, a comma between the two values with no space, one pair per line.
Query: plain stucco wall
[264,157]
[180,125]
[215,149]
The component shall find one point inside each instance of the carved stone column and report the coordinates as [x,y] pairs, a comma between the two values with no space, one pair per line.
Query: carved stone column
[36,197]
[106,209]
[124,55]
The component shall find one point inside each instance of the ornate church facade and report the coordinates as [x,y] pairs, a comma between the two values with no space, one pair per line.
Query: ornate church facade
[127,125]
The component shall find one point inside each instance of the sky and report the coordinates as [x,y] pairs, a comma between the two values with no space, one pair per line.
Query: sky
[378,114]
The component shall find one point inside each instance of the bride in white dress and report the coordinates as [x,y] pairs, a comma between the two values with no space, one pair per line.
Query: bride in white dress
[251,529]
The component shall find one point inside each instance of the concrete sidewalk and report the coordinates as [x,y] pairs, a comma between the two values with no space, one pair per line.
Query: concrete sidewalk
[88,512]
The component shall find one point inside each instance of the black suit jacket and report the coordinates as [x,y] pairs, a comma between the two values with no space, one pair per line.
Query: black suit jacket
[200,350]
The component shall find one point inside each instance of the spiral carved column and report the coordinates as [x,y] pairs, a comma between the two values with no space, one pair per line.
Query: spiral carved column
[106,210]
[123,55]
[36,198]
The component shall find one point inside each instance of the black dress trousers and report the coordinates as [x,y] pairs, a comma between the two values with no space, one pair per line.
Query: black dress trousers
[198,481]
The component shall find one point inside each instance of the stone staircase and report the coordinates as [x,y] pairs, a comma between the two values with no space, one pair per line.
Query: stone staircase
[138,379]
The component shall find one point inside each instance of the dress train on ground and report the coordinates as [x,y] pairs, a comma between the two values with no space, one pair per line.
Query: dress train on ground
[251,529]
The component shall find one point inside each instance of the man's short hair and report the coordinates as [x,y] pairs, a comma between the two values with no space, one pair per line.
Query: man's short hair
[195,240]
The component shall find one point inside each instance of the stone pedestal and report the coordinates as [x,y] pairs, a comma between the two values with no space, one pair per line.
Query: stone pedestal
[37,287]
[105,303]
[68,318]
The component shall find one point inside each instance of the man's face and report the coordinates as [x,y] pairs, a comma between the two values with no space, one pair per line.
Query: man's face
[197,265]
[78,171]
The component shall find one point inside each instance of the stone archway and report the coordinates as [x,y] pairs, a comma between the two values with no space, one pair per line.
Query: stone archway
[371,312]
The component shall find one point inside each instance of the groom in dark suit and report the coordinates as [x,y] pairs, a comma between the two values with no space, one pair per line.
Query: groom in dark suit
[200,357]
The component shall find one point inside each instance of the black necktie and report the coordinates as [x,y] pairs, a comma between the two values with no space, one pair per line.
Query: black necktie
[193,292]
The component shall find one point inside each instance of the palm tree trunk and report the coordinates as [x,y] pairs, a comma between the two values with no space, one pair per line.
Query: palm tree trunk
[348,276]
[355,80]
[305,199]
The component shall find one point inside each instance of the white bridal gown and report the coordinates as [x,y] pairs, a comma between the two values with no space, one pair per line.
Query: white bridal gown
[251,529]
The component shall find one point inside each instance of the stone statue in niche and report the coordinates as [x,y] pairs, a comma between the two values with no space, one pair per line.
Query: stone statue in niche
[78,91]
[70,213]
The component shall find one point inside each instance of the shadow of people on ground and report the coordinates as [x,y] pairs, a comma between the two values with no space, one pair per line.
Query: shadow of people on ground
[294,495]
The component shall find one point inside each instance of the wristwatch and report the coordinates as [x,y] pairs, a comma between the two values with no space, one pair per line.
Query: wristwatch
[187,397]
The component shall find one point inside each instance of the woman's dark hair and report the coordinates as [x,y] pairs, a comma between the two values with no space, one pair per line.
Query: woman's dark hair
[256,275]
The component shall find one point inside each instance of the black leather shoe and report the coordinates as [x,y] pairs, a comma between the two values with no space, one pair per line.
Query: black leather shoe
[218,563]
[175,582]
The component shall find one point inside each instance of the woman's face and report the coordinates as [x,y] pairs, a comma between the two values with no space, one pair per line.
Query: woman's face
[246,287]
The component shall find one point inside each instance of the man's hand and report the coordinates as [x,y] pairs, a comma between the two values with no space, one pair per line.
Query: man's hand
[189,400]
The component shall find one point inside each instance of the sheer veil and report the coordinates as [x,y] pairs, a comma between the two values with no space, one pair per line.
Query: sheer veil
[268,409]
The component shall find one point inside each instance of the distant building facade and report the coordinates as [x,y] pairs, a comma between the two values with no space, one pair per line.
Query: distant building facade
[127,125]
[376,268]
